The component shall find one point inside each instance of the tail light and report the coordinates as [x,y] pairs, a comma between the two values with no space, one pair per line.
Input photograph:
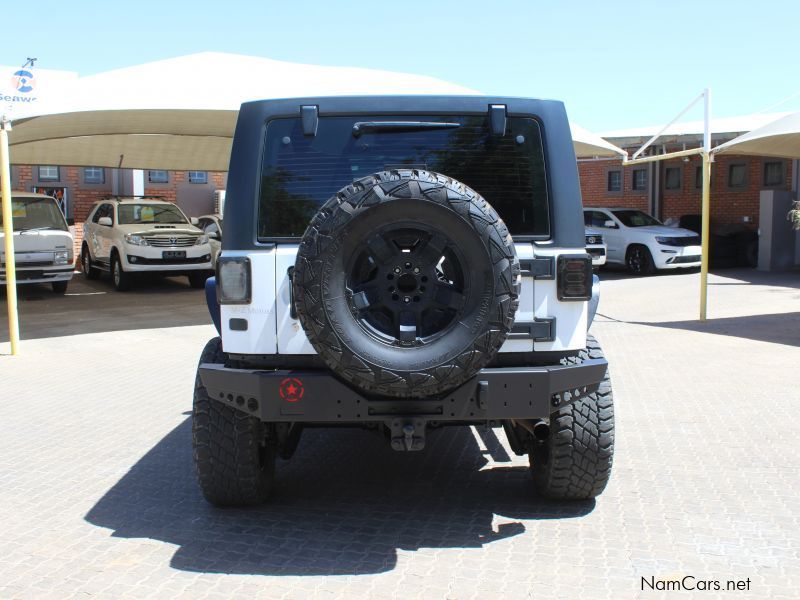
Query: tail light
[574,277]
[233,280]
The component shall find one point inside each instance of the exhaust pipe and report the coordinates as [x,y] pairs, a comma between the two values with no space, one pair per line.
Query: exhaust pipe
[541,430]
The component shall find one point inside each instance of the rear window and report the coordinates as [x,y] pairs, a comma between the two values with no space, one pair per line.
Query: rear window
[299,173]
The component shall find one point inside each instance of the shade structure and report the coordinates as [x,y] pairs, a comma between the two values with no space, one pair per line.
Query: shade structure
[180,114]
[780,138]
[588,145]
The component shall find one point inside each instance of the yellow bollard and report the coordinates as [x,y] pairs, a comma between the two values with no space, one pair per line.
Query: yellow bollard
[8,230]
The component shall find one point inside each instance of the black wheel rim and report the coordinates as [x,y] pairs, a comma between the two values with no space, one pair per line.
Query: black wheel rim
[407,285]
[636,260]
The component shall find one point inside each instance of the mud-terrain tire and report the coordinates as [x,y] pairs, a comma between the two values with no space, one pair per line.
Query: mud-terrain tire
[574,463]
[406,283]
[235,465]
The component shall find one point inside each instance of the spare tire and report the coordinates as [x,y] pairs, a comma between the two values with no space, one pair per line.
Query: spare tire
[406,283]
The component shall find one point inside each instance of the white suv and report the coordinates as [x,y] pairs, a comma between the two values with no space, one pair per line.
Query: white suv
[642,243]
[143,235]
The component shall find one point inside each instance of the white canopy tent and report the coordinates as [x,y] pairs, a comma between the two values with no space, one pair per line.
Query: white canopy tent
[780,138]
[180,114]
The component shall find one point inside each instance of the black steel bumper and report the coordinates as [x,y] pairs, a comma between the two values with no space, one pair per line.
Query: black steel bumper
[318,397]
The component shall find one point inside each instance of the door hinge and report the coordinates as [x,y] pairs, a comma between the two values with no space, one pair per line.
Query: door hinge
[540,330]
[539,268]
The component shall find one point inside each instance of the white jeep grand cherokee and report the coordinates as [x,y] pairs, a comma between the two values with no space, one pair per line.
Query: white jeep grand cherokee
[125,236]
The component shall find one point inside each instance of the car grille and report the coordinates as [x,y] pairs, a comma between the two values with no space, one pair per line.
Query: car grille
[682,242]
[685,259]
[170,241]
[596,251]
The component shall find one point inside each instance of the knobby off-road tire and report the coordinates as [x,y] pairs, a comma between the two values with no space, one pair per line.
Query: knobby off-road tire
[406,283]
[574,463]
[235,464]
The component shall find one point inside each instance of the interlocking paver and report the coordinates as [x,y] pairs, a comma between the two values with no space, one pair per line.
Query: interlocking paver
[98,497]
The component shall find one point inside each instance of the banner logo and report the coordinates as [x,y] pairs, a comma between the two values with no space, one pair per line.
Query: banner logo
[23,81]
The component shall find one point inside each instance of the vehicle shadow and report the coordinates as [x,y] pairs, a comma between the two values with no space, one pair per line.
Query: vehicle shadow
[345,504]
[777,328]
[95,307]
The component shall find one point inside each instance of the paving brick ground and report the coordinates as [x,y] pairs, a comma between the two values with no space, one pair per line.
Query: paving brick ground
[98,498]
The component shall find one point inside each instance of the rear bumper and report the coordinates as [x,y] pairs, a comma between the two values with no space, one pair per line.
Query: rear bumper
[318,397]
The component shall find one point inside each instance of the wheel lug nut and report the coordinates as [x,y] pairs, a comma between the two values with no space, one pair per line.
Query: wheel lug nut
[406,299]
[416,269]
[397,269]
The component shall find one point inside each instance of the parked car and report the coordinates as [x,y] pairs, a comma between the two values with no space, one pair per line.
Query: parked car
[730,245]
[42,242]
[642,243]
[396,264]
[126,236]
[596,247]
[212,227]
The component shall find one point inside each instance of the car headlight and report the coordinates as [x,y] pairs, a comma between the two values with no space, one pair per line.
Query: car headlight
[136,240]
[61,257]
[201,239]
[594,239]
[667,241]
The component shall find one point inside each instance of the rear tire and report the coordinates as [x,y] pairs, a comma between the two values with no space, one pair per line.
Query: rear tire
[235,463]
[639,260]
[121,279]
[574,463]
[60,287]
[89,271]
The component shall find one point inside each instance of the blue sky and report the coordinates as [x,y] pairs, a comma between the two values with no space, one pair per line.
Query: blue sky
[615,64]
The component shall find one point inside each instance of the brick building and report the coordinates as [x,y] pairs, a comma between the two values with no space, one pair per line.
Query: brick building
[78,188]
[672,188]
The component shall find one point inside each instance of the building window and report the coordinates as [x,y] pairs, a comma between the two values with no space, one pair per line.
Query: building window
[49,174]
[737,175]
[157,177]
[773,173]
[672,178]
[94,175]
[198,177]
[639,180]
[615,181]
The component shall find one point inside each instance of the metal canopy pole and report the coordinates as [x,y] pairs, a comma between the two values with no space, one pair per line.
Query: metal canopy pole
[8,231]
[707,158]
[706,203]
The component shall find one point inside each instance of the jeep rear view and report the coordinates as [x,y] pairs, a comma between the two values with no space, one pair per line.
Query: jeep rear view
[402,264]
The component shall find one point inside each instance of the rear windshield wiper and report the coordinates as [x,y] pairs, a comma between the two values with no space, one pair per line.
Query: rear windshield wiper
[399,126]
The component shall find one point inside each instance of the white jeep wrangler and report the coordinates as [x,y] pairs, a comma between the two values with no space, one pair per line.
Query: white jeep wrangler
[402,264]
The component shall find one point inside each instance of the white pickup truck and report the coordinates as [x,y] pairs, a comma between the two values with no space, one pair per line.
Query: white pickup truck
[42,242]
